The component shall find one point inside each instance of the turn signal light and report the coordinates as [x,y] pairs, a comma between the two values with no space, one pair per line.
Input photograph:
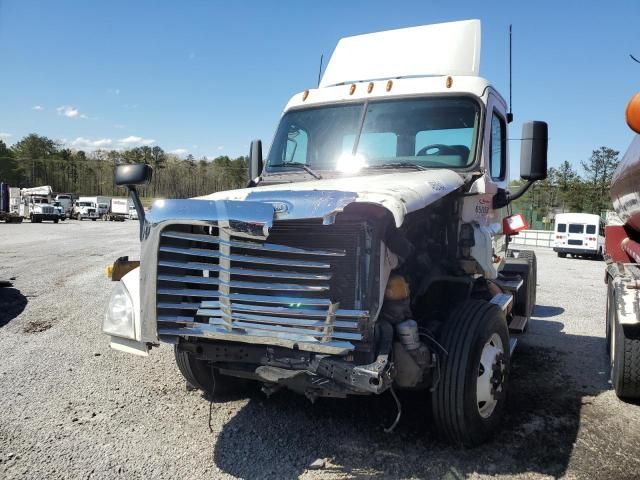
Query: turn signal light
[513,224]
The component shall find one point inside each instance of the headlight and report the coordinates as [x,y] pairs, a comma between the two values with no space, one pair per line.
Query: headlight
[118,320]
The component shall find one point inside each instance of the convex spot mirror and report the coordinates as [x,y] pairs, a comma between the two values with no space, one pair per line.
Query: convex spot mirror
[134,174]
[533,153]
[633,113]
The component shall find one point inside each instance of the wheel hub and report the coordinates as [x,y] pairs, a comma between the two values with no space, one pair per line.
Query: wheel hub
[491,376]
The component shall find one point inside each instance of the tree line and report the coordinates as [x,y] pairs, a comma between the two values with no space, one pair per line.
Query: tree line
[566,190]
[37,160]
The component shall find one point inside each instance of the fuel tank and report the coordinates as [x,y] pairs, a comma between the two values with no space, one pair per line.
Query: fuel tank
[625,186]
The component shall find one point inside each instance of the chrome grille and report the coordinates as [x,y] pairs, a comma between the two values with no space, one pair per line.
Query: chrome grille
[47,210]
[211,283]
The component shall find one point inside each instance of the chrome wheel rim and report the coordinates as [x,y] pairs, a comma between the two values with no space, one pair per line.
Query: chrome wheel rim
[491,370]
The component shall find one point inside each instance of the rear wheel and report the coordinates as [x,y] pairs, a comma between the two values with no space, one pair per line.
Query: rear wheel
[562,255]
[625,357]
[201,375]
[56,221]
[469,399]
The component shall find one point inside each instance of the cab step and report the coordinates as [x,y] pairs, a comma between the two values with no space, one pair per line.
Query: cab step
[518,324]
[510,284]
[503,300]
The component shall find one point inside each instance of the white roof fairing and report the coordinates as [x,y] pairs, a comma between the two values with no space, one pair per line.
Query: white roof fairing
[442,49]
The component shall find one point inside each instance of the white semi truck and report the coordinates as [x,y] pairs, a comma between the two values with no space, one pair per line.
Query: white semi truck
[360,258]
[66,202]
[91,207]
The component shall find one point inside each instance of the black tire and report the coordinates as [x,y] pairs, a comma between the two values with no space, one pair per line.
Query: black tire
[94,219]
[56,221]
[562,255]
[203,376]
[625,363]
[455,405]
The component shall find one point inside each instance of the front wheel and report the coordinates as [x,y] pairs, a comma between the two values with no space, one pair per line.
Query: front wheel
[562,255]
[625,356]
[202,375]
[469,399]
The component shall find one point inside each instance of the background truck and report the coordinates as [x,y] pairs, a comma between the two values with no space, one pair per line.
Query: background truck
[36,204]
[118,210]
[623,273]
[360,259]
[579,235]
[66,202]
[9,204]
[87,207]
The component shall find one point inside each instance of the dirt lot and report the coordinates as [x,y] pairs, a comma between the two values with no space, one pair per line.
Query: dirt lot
[72,408]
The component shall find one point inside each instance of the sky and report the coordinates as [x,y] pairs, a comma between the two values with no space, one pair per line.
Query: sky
[207,77]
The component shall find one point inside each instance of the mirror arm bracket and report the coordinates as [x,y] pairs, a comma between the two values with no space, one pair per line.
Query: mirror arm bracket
[504,198]
[138,205]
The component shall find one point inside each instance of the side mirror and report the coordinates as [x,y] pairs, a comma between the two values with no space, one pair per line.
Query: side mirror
[533,153]
[135,174]
[130,176]
[255,160]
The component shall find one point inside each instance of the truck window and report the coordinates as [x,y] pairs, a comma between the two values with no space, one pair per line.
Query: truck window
[430,132]
[575,228]
[591,229]
[562,227]
[497,147]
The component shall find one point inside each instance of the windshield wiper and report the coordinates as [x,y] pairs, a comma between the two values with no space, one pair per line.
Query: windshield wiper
[397,165]
[299,165]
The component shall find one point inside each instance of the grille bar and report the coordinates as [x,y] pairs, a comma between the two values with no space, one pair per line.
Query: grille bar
[270,247]
[199,266]
[246,285]
[244,258]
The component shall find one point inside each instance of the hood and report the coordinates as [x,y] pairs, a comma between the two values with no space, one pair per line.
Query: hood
[400,193]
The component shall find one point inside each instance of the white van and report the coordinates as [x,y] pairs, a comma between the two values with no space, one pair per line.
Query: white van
[580,234]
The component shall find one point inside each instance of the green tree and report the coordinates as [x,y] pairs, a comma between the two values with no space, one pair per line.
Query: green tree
[599,170]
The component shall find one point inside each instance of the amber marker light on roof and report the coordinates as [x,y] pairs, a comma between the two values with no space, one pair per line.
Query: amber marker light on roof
[389,85]
[352,88]
[370,87]
[449,82]
[305,94]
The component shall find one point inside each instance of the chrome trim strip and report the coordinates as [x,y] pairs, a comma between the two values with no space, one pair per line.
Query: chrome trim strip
[244,271]
[298,312]
[179,306]
[243,258]
[292,287]
[287,330]
[303,342]
[269,247]
[278,320]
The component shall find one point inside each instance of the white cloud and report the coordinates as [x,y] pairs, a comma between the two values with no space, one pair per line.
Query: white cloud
[220,147]
[133,140]
[179,151]
[70,112]
[6,135]
[38,108]
[114,91]
[119,125]
[82,142]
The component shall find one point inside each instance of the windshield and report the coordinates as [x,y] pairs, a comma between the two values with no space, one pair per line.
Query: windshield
[426,132]
[85,204]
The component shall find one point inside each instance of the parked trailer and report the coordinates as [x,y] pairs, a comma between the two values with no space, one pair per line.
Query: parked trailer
[623,272]
[360,259]
[118,211]
[9,204]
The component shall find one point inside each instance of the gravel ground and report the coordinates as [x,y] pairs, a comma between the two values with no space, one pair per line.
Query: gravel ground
[72,408]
